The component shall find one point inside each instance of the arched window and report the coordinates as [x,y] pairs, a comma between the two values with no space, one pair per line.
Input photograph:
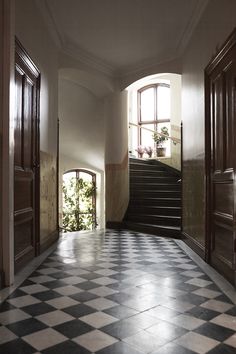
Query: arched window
[153,111]
[79,200]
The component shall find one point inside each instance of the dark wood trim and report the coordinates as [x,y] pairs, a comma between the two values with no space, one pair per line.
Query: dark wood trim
[226,47]
[28,62]
[182,181]
[1,133]
[194,244]
[57,172]
[48,241]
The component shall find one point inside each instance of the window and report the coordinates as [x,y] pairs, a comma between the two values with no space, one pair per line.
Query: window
[79,200]
[153,112]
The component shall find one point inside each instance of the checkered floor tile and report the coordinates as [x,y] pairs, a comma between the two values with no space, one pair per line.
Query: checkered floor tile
[118,292]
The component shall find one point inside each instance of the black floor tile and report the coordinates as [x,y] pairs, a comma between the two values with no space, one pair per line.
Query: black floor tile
[79,310]
[84,296]
[214,331]
[22,328]
[88,285]
[203,314]
[17,346]
[47,295]
[120,329]
[121,312]
[222,349]
[67,347]
[119,348]
[73,328]
[38,309]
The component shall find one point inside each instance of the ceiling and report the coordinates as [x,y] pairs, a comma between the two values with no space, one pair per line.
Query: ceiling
[123,34]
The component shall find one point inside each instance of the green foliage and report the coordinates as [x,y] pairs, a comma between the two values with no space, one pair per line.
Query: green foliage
[159,139]
[78,205]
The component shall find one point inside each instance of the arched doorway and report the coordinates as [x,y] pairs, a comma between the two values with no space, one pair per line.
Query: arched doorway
[79,200]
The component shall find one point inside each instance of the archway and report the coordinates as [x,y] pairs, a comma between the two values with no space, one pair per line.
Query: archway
[79,200]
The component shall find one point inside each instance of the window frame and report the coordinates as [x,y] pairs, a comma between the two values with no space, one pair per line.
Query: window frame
[93,175]
[156,121]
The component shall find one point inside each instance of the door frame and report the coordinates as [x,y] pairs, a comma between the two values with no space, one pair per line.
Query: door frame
[28,62]
[7,105]
[227,46]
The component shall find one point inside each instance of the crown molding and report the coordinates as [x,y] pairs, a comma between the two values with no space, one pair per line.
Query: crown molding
[103,67]
[50,22]
[192,24]
[88,59]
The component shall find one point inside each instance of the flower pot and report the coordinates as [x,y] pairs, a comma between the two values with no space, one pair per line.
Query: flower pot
[161,151]
[140,155]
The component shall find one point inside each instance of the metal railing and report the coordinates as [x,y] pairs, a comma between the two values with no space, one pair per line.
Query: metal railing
[173,139]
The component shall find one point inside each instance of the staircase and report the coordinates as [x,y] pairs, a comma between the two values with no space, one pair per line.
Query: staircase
[155,198]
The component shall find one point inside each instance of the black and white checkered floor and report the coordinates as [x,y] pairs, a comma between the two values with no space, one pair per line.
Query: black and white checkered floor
[118,293]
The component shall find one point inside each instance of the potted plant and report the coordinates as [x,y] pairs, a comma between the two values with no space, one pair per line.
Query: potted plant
[148,150]
[140,150]
[159,140]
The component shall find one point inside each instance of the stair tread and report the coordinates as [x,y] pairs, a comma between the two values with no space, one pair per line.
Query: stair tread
[177,228]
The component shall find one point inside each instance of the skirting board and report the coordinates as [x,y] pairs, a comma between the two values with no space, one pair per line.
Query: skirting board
[49,240]
[194,244]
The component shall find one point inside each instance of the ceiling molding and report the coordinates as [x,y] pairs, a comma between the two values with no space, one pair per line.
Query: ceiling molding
[192,24]
[50,22]
[103,67]
[89,59]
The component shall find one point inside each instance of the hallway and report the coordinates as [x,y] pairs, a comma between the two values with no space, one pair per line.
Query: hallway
[118,292]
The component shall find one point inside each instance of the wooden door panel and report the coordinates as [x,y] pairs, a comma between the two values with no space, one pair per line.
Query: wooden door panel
[26,207]
[220,140]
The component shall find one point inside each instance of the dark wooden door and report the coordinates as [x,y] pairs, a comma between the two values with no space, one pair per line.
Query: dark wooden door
[26,158]
[221,159]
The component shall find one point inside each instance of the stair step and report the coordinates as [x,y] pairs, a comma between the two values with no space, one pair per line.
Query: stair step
[154,210]
[148,172]
[171,202]
[155,186]
[140,166]
[159,230]
[155,219]
[137,193]
[153,179]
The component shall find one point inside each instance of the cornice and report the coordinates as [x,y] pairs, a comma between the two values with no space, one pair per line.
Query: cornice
[192,24]
[103,67]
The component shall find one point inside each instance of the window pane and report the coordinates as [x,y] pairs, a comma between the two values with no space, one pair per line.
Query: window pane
[85,176]
[163,102]
[147,104]
[133,139]
[167,143]
[146,136]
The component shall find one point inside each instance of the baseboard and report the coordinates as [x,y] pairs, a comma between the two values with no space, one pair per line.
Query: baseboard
[49,240]
[117,225]
[194,244]
[2,281]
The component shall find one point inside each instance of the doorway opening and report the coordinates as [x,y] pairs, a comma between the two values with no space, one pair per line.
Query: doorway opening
[79,200]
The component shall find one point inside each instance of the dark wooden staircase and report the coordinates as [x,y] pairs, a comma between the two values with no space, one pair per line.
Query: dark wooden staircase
[155,198]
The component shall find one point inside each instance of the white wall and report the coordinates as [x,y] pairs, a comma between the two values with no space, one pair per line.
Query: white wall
[66,163]
[82,136]
[81,116]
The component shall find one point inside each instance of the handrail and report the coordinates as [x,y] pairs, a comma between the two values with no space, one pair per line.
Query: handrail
[175,140]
